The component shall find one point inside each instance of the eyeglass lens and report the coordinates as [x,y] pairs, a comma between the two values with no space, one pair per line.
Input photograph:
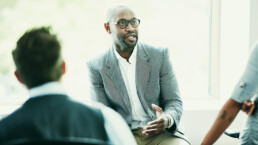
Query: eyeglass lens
[123,24]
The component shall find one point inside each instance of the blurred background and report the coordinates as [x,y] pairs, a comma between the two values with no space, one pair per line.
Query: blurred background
[182,26]
[208,40]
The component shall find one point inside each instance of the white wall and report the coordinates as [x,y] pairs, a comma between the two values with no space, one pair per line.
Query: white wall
[253,22]
[234,38]
[239,30]
[198,122]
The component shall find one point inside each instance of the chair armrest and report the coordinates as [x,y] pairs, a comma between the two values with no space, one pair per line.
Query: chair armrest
[232,133]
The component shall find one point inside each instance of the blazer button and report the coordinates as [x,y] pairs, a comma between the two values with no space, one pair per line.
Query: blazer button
[242,85]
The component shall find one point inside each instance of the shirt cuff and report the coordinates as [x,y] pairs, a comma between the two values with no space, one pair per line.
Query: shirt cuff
[170,120]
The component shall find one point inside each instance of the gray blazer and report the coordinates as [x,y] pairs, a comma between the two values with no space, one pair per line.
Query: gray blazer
[155,80]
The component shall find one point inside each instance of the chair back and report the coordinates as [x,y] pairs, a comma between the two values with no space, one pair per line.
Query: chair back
[70,141]
[232,133]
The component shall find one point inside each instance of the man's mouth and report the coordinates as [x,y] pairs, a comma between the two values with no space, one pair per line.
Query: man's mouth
[131,37]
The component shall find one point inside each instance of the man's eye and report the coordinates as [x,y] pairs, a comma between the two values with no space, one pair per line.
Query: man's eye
[133,22]
[121,23]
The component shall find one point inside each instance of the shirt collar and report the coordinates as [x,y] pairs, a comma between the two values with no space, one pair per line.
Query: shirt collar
[46,89]
[132,56]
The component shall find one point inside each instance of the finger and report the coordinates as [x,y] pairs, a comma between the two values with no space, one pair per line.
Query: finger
[145,132]
[246,104]
[250,111]
[153,131]
[150,132]
[156,126]
[160,126]
[157,108]
[150,127]
[157,121]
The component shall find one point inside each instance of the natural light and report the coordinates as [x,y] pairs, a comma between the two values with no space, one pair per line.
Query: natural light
[185,27]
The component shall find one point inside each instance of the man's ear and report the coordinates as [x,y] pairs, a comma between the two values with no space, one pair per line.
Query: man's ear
[18,76]
[63,68]
[107,27]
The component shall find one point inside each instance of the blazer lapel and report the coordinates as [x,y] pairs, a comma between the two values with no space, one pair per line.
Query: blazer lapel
[115,75]
[142,70]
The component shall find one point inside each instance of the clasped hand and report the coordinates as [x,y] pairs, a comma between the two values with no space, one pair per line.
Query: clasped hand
[248,107]
[156,126]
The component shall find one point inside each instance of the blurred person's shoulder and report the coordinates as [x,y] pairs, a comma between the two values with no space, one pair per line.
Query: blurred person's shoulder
[103,108]
[107,111]
[255,47]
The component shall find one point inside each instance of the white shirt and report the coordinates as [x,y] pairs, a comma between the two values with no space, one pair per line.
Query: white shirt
[128,70]
[117,130]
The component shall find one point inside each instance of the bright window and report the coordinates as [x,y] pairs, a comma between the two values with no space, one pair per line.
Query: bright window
[188,28]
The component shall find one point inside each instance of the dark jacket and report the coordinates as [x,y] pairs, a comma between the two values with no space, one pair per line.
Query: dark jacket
[52,117]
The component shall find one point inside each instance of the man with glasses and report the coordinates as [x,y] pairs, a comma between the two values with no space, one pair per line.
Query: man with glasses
[137,81]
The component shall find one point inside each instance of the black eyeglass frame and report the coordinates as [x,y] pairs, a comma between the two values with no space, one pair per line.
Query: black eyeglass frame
[126,23]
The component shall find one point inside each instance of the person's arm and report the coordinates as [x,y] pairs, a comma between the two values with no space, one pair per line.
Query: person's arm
[170,109]
[244,90]
[226,115]
[248,107]
[171,102]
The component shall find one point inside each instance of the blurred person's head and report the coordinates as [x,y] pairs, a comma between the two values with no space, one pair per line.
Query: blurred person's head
[37,57]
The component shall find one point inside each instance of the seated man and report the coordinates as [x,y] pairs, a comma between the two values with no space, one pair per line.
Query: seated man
[137,80]
[49,114]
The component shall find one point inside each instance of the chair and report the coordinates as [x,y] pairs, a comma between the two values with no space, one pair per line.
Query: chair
[70,141]
[232,133]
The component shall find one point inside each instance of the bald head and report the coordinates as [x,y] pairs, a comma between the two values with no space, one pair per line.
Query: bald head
[122,24]
[115,11]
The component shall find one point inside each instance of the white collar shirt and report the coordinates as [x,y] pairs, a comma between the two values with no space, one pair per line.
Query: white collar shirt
[50,88]
[128,70]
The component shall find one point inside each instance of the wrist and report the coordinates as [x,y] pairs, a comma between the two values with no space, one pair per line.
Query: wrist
[170,120]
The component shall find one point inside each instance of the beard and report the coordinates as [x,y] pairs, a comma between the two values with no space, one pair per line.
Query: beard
[127,46]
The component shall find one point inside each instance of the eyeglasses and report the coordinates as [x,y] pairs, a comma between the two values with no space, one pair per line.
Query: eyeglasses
[123,23]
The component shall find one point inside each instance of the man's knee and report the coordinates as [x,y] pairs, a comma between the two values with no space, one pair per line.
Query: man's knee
[174,141]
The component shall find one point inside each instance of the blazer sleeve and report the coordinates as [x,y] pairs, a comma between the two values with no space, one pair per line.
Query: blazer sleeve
[170,96]
[97,89]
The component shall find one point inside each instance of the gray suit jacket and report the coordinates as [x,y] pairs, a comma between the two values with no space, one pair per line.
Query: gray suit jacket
[155,81]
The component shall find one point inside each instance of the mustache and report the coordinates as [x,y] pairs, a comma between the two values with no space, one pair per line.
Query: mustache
[131,34]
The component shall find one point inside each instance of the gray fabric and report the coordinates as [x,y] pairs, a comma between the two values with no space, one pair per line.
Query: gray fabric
[155,80]
[162,138]
[247,88]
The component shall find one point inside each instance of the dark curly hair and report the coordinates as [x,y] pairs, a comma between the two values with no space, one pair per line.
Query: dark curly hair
[37,57]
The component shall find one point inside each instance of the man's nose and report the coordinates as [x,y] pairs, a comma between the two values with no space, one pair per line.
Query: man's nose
[130,27]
